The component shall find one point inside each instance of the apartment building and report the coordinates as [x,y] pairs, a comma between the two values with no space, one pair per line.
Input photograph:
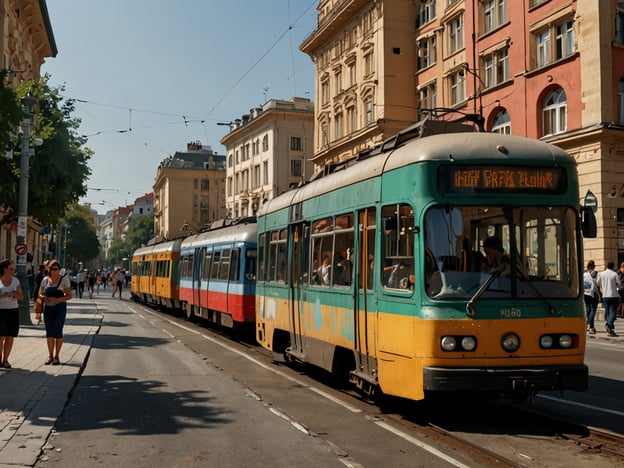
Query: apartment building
[547,69]
[188,192]
[268,151]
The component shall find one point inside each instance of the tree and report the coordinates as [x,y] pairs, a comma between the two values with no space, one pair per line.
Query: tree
[59,169]
[139,233]
[82,242]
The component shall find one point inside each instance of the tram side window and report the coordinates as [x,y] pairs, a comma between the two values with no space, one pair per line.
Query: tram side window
[322,247]
[342,266]
[234,264]
[277,257]
[205,272]
[225,264]
[261,259]
[250,263]
[367,226]
[398,247]
[216,258]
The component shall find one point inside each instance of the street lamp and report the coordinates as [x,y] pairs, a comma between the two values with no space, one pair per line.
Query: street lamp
[21,247]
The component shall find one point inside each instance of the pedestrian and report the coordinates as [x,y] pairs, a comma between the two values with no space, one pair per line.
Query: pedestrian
[90,283]
[119,279]
[591,295]
[620,309]
[42,273]
[80,280]
[10,295]
[609,282]
[55,290]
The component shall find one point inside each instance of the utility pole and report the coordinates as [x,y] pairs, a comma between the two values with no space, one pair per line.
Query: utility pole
[21,247]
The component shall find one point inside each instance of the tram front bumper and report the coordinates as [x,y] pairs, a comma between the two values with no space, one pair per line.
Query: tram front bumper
[506,379]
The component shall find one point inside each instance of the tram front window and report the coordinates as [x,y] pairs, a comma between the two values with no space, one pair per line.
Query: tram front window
[531,251]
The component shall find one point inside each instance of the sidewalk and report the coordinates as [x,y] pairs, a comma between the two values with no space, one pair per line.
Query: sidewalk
[32,394]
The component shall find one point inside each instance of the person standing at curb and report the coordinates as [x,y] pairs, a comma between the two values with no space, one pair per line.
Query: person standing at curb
[609,282]
[10,295]
[591,295]
[55,290]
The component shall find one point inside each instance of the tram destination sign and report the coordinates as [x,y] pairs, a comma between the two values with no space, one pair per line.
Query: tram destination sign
[501,179]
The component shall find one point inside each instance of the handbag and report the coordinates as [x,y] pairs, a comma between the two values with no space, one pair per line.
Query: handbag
[38,306]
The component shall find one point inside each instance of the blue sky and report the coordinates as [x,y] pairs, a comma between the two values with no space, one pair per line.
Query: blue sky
[152,75]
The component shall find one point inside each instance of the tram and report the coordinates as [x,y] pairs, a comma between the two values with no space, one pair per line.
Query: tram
[155,276]
[217,275]
[381,270]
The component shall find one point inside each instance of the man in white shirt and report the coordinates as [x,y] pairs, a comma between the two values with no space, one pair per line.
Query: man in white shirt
[609,283]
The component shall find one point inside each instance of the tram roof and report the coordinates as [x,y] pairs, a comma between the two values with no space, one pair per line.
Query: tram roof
[234,233]
[491,148]
[168,246]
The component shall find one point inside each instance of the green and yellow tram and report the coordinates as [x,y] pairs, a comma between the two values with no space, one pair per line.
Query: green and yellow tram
[438,262]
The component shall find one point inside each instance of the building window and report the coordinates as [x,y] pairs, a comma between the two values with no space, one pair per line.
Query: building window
[338,126]
[325,92]
[265,143]
[352,119]
[338,81]
[494,14]
[426,12]
[368,64]
[229,186]
[502,123]
[548,50]
[296,144]
[555,113]
[295,167]
[368,106]
[457,83]
[205,184]
[265,172]
[230,160]
[427,98]
[619,23]
[456,34]
[496,68]
[352,74]
[324,136]
[257,181]
[427,52]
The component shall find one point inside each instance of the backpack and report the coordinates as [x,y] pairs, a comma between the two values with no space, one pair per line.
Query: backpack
[589,285]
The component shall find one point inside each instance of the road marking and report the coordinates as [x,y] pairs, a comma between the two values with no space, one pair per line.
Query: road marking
[582,405]
[421,444]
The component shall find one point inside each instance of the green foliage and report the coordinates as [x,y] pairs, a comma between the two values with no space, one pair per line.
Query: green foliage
[59,169]
[139,233]
[82,242]
[10,118]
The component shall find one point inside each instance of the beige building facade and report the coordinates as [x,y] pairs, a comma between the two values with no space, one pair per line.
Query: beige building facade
[188,192]
[268,152]
[363,54]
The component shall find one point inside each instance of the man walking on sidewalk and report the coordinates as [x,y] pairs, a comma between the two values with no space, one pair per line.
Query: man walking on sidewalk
[609,282]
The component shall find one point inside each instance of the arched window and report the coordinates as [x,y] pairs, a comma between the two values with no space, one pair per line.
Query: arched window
[620,103]
[555,113]
[502,123]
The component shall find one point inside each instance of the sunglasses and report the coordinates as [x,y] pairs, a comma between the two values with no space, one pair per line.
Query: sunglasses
[54,268]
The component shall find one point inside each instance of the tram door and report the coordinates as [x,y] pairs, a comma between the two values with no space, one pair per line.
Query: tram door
[365,310]
[299,236]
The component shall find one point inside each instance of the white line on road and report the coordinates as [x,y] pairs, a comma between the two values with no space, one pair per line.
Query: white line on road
[582,405]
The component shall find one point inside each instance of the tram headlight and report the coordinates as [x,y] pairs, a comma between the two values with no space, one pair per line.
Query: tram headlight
[510,342]
[468,343]
[546,341]
[565,341]
[448,343]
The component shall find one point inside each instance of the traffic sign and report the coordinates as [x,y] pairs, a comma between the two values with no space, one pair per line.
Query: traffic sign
[21,249]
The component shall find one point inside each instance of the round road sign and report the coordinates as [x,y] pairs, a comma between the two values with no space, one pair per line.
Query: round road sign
[21,249]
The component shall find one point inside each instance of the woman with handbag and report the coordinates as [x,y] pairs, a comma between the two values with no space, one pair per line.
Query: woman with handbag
[55,291]
[10,295]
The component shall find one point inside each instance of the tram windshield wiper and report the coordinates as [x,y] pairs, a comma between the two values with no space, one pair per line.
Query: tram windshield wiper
[495,274]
